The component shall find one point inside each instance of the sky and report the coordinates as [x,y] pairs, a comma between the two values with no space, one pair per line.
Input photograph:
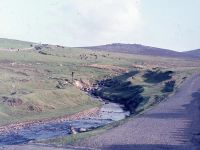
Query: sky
[170,24]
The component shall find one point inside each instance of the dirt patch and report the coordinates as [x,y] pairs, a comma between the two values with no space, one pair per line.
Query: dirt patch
[34,108]
[164,65]
[109,67]
[11,101]
[83,84]
[63,83]
[139,66]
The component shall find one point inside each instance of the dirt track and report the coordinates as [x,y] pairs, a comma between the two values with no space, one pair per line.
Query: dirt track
[173,124]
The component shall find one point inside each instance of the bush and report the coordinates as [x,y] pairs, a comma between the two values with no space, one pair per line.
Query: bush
[134,102]
[169,86]
[157,76]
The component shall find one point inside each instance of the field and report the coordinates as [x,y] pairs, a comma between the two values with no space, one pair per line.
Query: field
[45,83]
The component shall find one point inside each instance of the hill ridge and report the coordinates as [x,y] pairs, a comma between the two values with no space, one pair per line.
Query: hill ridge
[142,50]
[138,49]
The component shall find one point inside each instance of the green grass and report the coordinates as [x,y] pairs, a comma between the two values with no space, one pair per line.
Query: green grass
[53,103]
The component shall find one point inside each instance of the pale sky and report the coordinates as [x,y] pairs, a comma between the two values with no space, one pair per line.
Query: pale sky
[172,24]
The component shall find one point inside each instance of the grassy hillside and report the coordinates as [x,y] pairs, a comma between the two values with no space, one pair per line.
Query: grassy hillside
[38,84]
[7,43]
[142,50]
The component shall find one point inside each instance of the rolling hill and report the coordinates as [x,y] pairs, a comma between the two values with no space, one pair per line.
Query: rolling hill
[38,84]
[144,50]
[116,48]
[10,43]
[193,52]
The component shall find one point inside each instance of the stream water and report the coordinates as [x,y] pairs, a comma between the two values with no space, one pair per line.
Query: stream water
[109,113]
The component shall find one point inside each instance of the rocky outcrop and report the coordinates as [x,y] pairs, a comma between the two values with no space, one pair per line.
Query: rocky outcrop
[84,85]
[11,101]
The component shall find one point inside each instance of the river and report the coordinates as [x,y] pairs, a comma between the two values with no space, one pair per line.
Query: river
[108,113]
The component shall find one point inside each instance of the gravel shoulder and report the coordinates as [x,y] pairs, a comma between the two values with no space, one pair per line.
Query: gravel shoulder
[173,124]
[39,147]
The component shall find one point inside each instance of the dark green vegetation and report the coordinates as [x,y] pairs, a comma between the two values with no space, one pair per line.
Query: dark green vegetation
[122,91]
[37,83]
[169,86]
[157,76]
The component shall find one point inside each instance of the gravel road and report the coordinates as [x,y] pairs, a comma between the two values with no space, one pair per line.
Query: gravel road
[40,147]
[173,124]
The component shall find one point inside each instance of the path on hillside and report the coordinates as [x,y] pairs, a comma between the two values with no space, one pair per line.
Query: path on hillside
[173,124]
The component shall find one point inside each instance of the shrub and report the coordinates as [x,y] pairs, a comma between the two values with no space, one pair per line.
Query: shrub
[134,102]
[169,86]
[157,76]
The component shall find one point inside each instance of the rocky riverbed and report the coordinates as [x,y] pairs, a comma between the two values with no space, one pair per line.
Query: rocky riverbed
[22,133]
[41,130]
